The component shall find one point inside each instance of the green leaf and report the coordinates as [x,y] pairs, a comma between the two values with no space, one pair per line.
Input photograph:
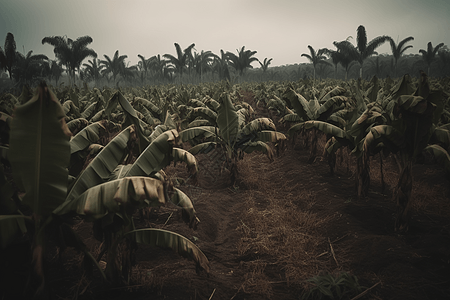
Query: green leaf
[101,167]
[227,120]
[39,151]
[117,196]
[87,136]
[179,244]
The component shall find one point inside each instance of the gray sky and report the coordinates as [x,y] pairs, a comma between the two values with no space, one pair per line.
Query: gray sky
[280,29]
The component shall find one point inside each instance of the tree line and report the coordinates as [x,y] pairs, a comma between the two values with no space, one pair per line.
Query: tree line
[188,65]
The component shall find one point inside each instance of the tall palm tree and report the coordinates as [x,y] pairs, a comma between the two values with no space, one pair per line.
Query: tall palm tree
[93,70]
[56,71]
[334,55]
[145,64]
[203,62]
[316,58]
[430,54]
[444,57]
[28,68]
[367,49]
[69,52]
[220,65]
[346,54]
[181,60]
[8,56]
[363,49]
[243,60]
[114,65]
[398,50]
[157,65]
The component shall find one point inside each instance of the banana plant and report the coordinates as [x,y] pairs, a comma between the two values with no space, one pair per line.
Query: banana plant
[233,135]
[312,110]
[39,154]
[408,136]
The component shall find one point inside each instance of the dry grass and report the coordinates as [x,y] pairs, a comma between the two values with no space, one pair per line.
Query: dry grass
[279,229]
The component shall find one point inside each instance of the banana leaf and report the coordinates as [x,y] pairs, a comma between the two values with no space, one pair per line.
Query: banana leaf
[171,240]
[205,113]
[118,196]
[101,167]
[227,120]
[156,156]
[300,105]
[201,132]
[258,146]
[270,136]
[89,135]
[325,127]
[257,125]
[203,148]
[180,199]
[39,151]
[11,227]
[197,123]
[77,124]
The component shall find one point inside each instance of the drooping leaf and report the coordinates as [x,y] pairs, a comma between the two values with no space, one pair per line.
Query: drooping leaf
[118,196]
[227,120]
[179,244]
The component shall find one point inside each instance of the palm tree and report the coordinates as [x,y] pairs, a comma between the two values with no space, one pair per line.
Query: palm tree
[145,64]
[93,70]
[55,71]
[157,65]
[346,55]
[334,55]
[28,68]
[203,62]
[220,65]
[69,52]
[444,57]
[398,50]
[367,49]
[316,58]
[180,61]
[265,64]
[429,55]
[243,60]
[8,56]
[113,66]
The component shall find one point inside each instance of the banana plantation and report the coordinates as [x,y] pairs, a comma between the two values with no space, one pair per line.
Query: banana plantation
[98,185]
[191,176]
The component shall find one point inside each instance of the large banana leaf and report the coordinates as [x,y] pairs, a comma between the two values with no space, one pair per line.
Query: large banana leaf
[257,125]
[87,136]
[258,146]
[131,115]
[386,134]
[325,127]
[101,167]
[117,196]
[178,243]
[11,226]
[77,124]
[205,113]
[156,156]
[336,91]
[227,120]
[203,148]
[202,132]
[39,151]
[150,106]
[270,136]
[300,104]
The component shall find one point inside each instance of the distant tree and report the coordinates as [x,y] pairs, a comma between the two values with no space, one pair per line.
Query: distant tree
[220,65]
[144,64]
[398,50]
[113,66]
[56,71]
[157,65]
[29,68]
[69,52]
[93,70]
[347,54]
[265,64]
[429,55]
[203,62]
[316,58]
[8,55]
[444,58]
[334,55]
[179,62]
[243,60]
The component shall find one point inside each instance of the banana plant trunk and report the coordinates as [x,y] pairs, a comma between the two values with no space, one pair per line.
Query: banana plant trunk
[402,196]
[362,175]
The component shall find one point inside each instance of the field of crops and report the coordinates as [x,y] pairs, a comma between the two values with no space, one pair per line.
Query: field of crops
[313,189]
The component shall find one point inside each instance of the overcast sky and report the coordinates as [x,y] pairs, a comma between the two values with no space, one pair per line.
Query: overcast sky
[278,29]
